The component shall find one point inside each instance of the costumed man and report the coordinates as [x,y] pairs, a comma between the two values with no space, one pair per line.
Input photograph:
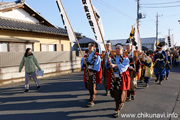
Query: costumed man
[119,82]
[105,70]
[92,74]
[133,68]
[137,53]
[160,60]
[169,64]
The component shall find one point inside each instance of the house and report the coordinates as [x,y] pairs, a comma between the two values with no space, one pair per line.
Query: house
[149,42]
[84,44]
[22,27]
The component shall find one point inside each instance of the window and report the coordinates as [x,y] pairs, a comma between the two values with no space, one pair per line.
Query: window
[3,47]
[52,47]
[46,47]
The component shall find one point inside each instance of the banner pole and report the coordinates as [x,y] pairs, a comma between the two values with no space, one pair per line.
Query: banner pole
[102,39]
[74,34]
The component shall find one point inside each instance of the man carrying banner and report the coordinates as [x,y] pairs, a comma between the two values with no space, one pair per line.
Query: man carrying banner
[134,68]
[118,87]
[92,74]
[105,70]
[160,60]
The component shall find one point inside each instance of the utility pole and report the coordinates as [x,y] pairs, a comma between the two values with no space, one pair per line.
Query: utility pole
[138,14]
[157,20]
[138,17]
[156,29]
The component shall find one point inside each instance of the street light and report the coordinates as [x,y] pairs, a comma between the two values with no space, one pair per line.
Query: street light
[179,21]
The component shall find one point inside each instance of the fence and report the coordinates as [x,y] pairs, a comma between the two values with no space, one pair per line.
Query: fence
[9,59]
[53,63]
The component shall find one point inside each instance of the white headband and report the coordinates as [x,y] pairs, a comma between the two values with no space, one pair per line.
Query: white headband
[90,44]
[128,43]
[119,46]
[108,43]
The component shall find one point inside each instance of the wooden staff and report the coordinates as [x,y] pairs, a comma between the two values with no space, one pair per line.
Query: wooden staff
[102,38]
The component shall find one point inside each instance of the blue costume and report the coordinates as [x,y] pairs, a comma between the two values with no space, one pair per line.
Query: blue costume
[118,88]
[92,65]
[121,67]
[93,61]
[159,68]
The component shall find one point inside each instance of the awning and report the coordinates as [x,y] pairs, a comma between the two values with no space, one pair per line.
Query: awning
[5,39]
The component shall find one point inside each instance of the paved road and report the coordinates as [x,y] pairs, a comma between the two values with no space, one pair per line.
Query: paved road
[65,98]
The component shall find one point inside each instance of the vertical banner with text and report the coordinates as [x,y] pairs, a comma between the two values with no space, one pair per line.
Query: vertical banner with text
[91,16]
[67,24]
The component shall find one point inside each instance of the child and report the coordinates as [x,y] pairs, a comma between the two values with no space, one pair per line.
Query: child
[148,68]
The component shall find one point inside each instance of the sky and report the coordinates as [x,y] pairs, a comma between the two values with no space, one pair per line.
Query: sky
[117,16]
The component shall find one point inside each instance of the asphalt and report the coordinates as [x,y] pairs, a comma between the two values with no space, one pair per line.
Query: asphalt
[65,98]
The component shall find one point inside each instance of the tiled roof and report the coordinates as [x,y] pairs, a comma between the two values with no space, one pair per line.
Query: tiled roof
[85,40]
[5,7]
[10,24]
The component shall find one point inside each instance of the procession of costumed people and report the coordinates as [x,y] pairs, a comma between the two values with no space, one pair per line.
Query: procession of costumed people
[120,69]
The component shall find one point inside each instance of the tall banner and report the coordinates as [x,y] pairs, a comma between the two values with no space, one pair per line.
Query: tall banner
[99,20]
[137,38]
[134,35]
[170,41]
[92,13]
[67,24]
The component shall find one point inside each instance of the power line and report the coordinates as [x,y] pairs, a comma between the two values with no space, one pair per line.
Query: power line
[160,6]
[170,16]
[103,3]
[149,29]
[161,3]
[114,9]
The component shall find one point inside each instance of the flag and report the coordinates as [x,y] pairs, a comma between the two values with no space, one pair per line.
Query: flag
[92,14]
[132,32]
[99,20]
[170,41]
[137,38]
[66,23]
